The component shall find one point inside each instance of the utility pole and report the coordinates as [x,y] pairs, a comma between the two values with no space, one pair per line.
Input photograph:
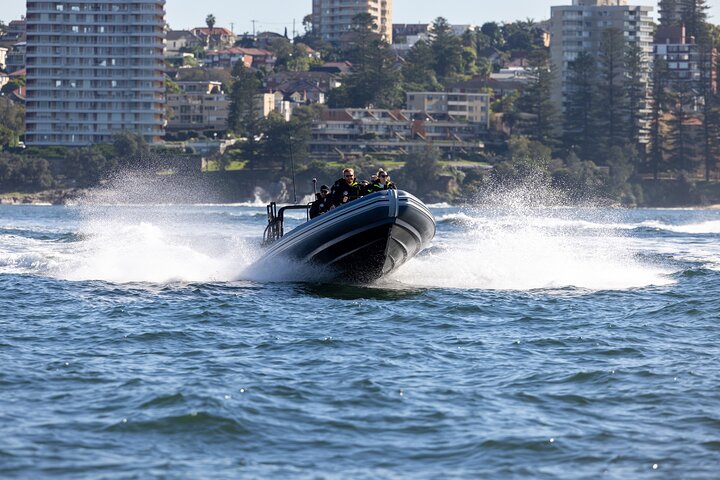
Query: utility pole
[294,34]
[232,27]
[253,22]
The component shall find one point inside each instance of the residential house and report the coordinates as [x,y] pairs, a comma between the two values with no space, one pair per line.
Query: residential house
[265,40]
[179,41]
[260,57]
[684,58]
[15,59]
[333,18]
[14,33]
[355,132]
[463,106]
[215,37]
[337,68]
[326,81]
[227,58]
[201,106]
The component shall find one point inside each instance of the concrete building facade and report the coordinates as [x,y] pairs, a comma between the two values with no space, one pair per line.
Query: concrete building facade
[356,132]
[200,106]
[684,58]
[579,27]
[469,107]
[94,69]
[332,18]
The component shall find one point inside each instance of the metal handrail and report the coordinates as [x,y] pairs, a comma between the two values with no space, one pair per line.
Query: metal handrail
[275,228]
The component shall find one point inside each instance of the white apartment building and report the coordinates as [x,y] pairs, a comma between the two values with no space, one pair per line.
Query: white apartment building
[332,18]
[470,107]
[579,27]
[200,106]
[94,68]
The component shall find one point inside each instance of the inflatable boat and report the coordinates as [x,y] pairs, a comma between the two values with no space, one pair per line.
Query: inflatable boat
[357,242]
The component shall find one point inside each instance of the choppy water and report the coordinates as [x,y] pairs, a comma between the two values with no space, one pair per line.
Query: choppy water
[139,342]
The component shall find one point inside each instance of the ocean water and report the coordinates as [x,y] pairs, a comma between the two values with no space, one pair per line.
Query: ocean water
[529,341]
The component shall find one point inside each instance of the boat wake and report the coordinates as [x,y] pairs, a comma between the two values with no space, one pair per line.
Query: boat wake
[516,244]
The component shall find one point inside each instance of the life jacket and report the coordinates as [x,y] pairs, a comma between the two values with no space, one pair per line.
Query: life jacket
[341,192]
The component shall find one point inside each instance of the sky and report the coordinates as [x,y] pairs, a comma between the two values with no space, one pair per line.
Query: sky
[275,15]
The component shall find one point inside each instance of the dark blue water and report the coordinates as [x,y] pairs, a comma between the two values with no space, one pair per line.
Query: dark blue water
[140,342]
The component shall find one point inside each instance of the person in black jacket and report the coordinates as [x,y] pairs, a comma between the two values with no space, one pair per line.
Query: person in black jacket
[322,203]
[382,183]
[345,189]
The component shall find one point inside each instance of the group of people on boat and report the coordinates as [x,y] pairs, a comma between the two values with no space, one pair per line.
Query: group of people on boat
[348,188]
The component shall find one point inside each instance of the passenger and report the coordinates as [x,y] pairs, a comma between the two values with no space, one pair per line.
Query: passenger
[365,187]
[382,183]
[345,189]
[322,203]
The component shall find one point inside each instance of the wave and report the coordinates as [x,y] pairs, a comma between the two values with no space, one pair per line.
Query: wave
[707,227]
[535,248]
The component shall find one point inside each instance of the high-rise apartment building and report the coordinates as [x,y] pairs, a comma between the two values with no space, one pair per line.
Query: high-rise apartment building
[94,69]
[579,27]
[332,18]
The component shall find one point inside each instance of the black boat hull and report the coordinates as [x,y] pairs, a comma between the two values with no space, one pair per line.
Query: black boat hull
[363,240]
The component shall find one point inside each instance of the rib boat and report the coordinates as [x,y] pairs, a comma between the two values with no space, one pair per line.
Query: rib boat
[357,242]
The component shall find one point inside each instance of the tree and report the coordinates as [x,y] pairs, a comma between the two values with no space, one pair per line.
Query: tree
[612,112]
[579,127]
[421,169]
[210,22]
[307,23]
[418,70]
[374,80]
[669,12]
[447,50]
[12,122]
[241,115]
[130,149]
[527,161]
[710,106]
[363,38]
[694,17]
[682,148]
[536,99]
[659,103]
[636,86]
[87,166]
[282,145]
[493,33]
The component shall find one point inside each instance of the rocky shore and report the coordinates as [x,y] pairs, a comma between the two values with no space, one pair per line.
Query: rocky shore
[47,197]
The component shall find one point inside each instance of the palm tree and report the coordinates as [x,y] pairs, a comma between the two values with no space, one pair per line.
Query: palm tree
[210,22]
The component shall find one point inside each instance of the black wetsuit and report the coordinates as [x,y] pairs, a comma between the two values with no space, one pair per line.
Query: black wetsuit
[341,192]
[321,205]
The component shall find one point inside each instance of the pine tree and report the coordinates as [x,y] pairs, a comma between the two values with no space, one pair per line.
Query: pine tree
[418,71]
[694,17]
[636,86]
[579,105]
[536,99]
[374,80]
[669,12]
[241,116]
[612,111]
[706,90]
[682,148]
[447,49]
[659,104]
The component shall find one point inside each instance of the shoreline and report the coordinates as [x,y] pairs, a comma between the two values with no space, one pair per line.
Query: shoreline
[60,197]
